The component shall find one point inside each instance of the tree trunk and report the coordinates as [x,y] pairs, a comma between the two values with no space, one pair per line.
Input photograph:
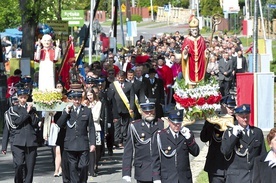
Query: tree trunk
[29,25]
[28,39]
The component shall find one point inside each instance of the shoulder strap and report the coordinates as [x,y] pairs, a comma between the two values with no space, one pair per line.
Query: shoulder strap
[123,96]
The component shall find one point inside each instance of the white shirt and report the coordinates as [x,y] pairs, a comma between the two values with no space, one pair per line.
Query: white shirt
[174,133]
[239,63]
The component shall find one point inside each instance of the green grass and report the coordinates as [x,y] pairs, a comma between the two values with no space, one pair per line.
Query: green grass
[246,41]
[202,177]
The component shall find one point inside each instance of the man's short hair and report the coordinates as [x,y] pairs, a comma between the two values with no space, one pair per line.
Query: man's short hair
[17,72]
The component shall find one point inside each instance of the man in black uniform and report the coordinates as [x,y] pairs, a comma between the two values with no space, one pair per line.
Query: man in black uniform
[139,92]
[8,131]
[77,142]
[24,146]
[241,144]
[170,151]
[216,164]
[138,145]
[154,91]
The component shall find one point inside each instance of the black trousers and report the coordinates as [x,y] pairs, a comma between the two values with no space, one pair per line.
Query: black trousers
[78,166]
[65,167]
[224,87]
[24,159]
[216,178]
[94,158]
[121,128]
[110,137]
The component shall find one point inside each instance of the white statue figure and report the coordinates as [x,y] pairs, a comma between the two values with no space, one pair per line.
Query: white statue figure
[47,56]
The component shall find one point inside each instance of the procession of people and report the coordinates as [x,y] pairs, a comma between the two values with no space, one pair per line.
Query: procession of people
[121,103]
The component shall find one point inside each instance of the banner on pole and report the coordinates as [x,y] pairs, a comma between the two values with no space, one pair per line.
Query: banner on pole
[131,29]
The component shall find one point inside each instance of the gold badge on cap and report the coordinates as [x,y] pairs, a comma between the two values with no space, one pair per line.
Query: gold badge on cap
[243,107]
[143,124]
[166,151]
[178,113]
[169,148]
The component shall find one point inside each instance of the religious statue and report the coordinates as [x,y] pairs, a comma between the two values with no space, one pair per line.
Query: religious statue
[194,54]
[47,56]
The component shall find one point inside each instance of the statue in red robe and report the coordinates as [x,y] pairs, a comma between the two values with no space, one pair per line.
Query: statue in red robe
[194,55]
[47,57]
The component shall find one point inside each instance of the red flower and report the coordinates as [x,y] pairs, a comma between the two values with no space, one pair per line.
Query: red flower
[200,101]
[218,98]
[185,102]
[211,99]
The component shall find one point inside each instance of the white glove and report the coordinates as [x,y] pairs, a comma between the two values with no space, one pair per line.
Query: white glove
[157,181]
[186,132]
[127,178]
[108,125]
[236,130]
[68,108]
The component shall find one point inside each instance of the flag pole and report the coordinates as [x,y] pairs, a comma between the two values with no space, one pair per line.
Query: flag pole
[65,56]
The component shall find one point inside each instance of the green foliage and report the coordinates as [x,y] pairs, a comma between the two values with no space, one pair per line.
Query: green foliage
[210,7]
[182,4]
[10,14]
[272,12]
[205,30]
[134,17]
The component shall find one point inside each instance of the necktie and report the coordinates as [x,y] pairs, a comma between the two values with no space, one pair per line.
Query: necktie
[246,136]
[76,110]
[175,137]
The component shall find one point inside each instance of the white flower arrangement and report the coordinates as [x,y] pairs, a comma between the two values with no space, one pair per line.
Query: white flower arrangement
[198,101]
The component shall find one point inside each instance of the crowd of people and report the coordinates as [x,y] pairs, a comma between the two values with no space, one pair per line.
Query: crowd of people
[120,105]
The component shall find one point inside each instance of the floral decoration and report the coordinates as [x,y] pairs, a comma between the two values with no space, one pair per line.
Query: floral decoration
[47,99]
[198,101]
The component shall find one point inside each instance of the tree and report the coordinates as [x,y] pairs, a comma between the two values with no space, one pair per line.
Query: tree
[210,7]
[30,10]
[10,14]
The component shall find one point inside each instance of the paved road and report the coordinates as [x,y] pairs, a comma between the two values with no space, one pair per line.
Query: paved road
[150,29]
[109,168]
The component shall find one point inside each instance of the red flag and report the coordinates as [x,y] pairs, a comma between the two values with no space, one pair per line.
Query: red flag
[245,92]
[66,64]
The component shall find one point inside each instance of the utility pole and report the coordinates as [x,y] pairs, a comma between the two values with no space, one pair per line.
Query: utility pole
[128,11]
[255,36]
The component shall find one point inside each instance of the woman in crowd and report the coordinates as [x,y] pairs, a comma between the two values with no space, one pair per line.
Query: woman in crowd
[95,104]
[57,146]
[212,68]
[264,170]
[58,149]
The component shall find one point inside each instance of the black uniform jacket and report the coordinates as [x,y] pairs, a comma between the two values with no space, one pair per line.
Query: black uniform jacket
[138,143]
[119,106]
[215,163]
[262,173]
[241,153]
[24,134]
[76,138]
[167,166]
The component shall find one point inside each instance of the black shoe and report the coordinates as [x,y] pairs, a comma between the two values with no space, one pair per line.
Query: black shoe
[110,153]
